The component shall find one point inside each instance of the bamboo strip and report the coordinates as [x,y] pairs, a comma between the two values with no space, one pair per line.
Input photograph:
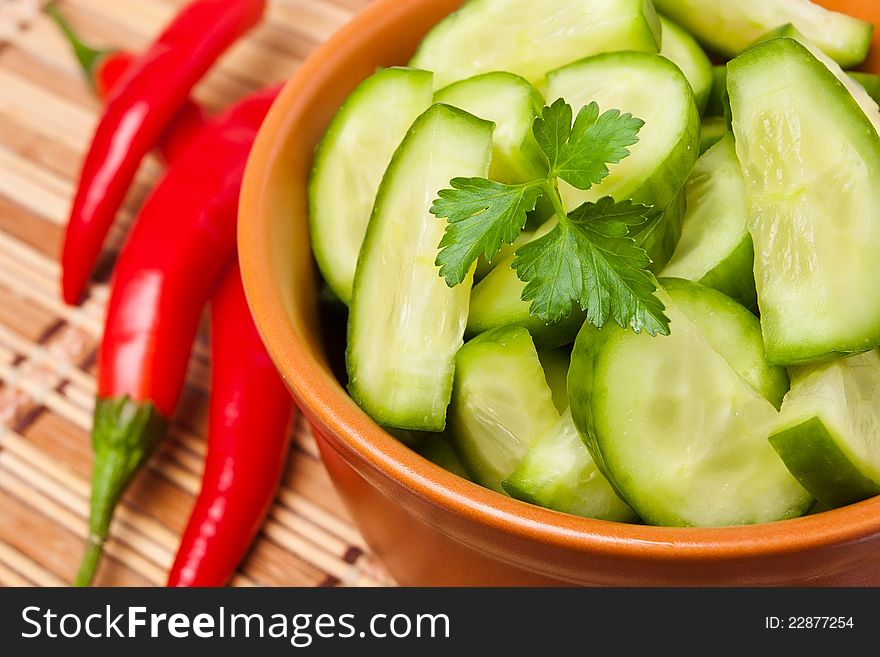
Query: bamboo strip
[117,545]
[72,492]
[45,112]
[33,187]
[10,578]
[26,568]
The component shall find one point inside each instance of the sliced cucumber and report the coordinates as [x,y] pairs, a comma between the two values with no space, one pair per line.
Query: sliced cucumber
[683,49]
[829,430]
[729,26]
[715,247]
[555,363]
[406,324]
[856,90]
[811,161]
[501,404]
[558,473]
[660,162]
[660,235]
[496,301]
[512,104]
[530,38]
[719,104]
[672,423]
[506,250]
[733,332]
[350,162]
[438,450]
[713,130]
[870,83]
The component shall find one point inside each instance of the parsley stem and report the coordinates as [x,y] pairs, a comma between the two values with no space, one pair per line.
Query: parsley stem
[551,188]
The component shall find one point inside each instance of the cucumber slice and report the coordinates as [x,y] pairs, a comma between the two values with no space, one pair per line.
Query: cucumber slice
[439,451]
[501,404]
[672,423]
[512,104]
[484,267]
[530,38]
[558,473]
[660,162]
[829,430]
[719,104]
[555,363]
[729,27]
[811,161]
[715,247]
[352,156]
[680,47]
[857,91]
[406,324]
[660,235]
[497,301]
[870,82]
[733,332]
[713,130]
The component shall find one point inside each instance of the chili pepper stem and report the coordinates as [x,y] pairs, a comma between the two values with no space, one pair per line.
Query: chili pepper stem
[87,56]
[125,434]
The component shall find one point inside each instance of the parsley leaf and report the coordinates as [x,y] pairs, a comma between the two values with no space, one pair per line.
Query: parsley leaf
[593,257]
[580,154]
[482,216]
[590,259]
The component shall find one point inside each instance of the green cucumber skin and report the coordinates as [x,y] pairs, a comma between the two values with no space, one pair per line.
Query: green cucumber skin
[660,235]
[858,129]
[740,288]
[710,20]
[646,37]
[718,103]
[713,130]
[716,191]
[668,177]
[431,419]
[586,360]
[325,247]
[439,451]
[556,363]
[504,347]
[692,60]
[511,163]
[870,82]
[559,474]
[811,454]
[691,298]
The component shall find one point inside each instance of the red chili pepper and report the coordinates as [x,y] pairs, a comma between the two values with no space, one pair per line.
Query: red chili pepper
[138,111]
[105,68]
[247,444]
[182,243]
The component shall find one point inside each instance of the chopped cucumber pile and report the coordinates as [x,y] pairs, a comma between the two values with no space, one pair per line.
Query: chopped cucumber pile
[618,258]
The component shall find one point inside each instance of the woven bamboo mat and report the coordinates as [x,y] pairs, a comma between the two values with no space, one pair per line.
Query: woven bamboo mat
[47,350]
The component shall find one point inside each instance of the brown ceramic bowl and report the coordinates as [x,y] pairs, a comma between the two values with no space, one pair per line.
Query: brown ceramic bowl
[428,526]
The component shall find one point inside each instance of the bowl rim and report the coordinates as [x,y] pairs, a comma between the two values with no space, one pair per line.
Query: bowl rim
[325,403]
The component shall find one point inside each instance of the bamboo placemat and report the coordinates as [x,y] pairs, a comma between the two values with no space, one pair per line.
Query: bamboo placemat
[47,350]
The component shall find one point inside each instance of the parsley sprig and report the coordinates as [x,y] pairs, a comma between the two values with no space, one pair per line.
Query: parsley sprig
[590,257]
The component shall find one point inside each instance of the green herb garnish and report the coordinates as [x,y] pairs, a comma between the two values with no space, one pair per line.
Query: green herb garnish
[590,258]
